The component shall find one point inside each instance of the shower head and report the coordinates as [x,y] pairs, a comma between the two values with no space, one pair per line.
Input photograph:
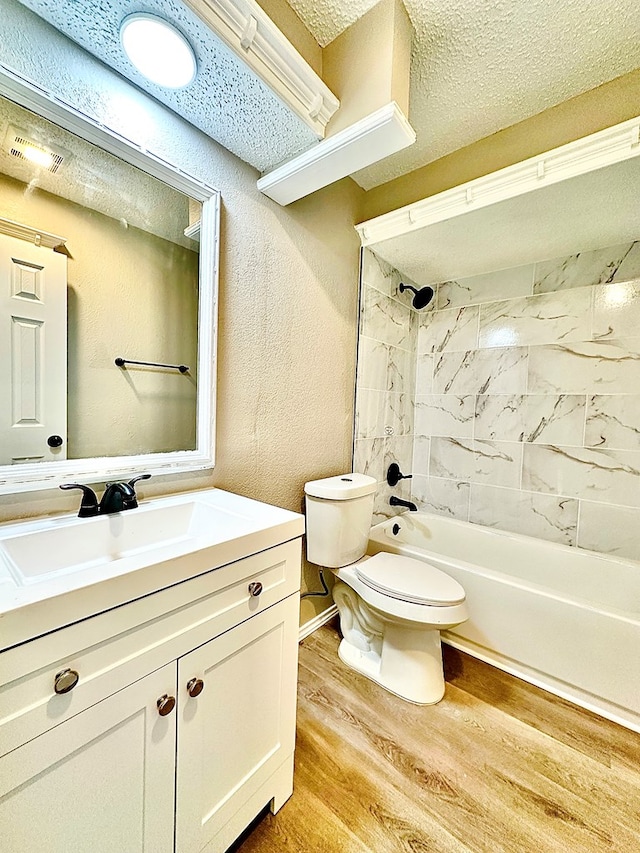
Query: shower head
[422,297]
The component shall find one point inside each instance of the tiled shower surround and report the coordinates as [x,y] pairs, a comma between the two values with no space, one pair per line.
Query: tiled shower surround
[513,399]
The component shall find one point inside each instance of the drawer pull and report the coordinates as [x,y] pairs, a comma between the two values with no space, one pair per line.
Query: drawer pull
[65,680]
[255,588]
[195,687]
[166,704]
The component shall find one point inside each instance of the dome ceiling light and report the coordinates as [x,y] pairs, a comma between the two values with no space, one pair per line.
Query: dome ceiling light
[158,50]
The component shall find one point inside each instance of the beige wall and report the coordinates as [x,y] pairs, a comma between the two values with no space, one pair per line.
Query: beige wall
[289,281]
[129,294]
[288,302]
[367,66]
[286,354]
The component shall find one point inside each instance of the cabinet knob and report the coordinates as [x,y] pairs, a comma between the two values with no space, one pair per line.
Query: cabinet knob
[166,704]
[255,588]
[65,680]
[195,687]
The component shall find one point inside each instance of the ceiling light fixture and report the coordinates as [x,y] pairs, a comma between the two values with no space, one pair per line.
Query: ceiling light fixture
[158,50]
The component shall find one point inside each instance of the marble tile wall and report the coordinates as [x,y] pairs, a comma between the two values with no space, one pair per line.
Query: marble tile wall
[514,398]
[385,378]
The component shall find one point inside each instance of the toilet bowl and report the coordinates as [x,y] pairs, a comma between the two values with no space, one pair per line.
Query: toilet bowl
[392,608]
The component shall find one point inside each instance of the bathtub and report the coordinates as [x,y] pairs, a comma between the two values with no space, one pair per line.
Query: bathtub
[564,619]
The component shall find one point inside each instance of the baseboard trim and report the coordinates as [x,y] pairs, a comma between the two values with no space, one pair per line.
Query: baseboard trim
[317,622]
[622,716]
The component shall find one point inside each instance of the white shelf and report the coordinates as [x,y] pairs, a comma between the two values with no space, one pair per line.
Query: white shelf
[579,196]
[374,137]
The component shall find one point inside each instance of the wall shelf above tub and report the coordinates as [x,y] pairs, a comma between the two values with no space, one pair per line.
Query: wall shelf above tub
[578,196]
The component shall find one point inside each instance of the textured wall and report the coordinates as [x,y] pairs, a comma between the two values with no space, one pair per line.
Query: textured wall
[287,309]
[526,411]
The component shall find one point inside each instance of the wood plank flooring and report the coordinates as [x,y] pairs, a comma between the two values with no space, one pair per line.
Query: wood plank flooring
[498,766]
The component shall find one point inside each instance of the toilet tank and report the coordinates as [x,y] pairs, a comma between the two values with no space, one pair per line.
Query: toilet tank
[338,511]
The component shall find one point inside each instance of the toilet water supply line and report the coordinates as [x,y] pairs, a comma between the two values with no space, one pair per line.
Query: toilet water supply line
[324,587]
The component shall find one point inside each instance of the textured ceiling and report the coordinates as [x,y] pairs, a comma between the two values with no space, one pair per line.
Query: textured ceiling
[226,100]
[479,66]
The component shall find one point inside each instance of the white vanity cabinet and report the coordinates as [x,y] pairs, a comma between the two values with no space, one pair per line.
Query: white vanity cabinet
[101,781]
[236,739]
[180,728]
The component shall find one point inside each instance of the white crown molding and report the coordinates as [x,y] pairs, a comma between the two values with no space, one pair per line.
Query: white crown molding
[249,32]
[31,235]
[604,148]
[374,137]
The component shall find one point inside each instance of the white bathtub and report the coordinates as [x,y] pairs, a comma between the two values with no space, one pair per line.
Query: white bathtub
[562,618]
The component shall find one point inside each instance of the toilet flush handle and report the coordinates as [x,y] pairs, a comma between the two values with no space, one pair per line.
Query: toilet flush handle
[394,475]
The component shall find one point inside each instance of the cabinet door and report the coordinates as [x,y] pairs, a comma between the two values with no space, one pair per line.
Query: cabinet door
[102,781]
[239,731]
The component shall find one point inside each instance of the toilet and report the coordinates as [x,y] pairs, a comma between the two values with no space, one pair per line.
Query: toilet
[392,608]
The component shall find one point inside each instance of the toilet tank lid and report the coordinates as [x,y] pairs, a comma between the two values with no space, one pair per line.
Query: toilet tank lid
[344,487]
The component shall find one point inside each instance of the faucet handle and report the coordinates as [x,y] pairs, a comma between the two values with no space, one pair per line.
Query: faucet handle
[134,480]
[89,504]
[394,475]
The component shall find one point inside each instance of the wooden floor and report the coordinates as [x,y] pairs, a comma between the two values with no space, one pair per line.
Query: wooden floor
[497,767]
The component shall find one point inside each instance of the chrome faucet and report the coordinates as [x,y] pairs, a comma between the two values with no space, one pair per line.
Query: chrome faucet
[117,497]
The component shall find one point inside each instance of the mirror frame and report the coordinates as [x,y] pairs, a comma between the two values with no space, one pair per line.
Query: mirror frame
[47,475]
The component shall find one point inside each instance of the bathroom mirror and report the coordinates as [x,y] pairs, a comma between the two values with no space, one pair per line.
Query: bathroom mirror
[108,284]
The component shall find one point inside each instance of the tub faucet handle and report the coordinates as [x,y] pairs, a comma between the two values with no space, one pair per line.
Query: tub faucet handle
[394,475]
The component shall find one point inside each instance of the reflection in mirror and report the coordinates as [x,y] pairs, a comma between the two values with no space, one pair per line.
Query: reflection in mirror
[98,261]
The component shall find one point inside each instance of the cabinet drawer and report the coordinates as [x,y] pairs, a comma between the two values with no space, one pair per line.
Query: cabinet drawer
[114,649]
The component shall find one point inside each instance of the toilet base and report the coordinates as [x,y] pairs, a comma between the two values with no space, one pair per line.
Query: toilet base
[409,665]
[401,655]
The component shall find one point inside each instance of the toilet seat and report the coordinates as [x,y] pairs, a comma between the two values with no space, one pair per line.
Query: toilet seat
[409,580]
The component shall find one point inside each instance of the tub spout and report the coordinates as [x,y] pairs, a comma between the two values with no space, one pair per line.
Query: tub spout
[394,501]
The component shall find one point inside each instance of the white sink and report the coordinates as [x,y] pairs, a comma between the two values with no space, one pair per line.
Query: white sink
[34,555]
[57,570]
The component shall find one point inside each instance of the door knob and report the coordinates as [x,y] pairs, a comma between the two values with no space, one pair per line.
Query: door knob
[195,687]
[255,588]
[55,441]
[65,681]
[166,704]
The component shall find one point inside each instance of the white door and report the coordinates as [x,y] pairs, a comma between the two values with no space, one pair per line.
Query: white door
[33,353]
[101,782]
[237,732]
